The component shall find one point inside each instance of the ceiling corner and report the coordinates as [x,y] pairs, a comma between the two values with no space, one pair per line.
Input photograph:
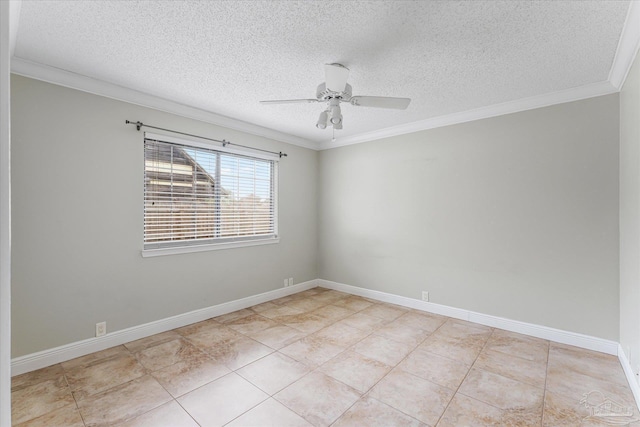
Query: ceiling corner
[628,46]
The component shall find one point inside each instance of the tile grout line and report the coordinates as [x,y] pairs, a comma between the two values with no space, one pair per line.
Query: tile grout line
[464,379]
[175,399]
[366,393]
[546,375]
[132,354]
[341,382]
[150,373]
[64,374]
[501,375]
[504,375]
[251,408]
[316,368]
[187,412]
[585,374]
[270,396]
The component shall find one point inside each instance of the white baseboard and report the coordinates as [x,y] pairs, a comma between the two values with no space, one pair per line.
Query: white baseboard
[42,359]
[545,332]
[538,331]
[631,377]
[66,352]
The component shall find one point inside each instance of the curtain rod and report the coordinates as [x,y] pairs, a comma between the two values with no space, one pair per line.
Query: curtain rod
[224,142]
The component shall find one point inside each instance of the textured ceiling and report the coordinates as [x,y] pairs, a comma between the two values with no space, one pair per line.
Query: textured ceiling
[225,56]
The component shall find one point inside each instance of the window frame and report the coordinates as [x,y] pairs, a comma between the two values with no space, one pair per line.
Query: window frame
[209,244]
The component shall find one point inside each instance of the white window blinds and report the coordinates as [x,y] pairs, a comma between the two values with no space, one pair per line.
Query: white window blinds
[197,196]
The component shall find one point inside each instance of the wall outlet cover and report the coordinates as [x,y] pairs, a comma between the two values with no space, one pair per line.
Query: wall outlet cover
[425,296]
[101,329]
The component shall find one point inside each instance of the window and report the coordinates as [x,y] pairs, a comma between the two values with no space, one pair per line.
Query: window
[195,196]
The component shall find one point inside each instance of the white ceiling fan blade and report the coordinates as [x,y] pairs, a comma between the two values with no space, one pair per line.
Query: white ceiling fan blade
[335,76]
[289,101]
[380,102]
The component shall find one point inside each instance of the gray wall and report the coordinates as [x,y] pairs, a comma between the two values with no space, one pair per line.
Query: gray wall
[77,230]
[630,216]
[514,216]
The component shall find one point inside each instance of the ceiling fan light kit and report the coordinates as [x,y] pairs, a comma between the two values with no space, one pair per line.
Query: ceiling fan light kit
[335,90]
[322,120]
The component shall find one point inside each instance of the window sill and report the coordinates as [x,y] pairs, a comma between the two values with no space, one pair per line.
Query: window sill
[146,253]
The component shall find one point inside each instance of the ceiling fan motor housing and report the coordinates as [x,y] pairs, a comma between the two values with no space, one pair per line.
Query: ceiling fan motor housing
[324,94]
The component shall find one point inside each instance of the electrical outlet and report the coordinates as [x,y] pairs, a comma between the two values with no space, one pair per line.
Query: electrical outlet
[101,329]
[425,296]
[290,281]
[286,283]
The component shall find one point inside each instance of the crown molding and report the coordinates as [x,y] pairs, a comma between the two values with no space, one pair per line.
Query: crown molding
[98,87]
[545,100]
[109,90]
[627,49]
[627,46]
[14,21]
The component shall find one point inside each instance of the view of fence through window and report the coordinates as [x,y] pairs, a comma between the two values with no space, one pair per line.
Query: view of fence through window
[195,196]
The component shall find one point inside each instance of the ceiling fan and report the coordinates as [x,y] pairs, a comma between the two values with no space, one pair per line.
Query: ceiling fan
[335,90]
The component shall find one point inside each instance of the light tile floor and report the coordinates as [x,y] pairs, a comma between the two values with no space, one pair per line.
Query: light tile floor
[321,358]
